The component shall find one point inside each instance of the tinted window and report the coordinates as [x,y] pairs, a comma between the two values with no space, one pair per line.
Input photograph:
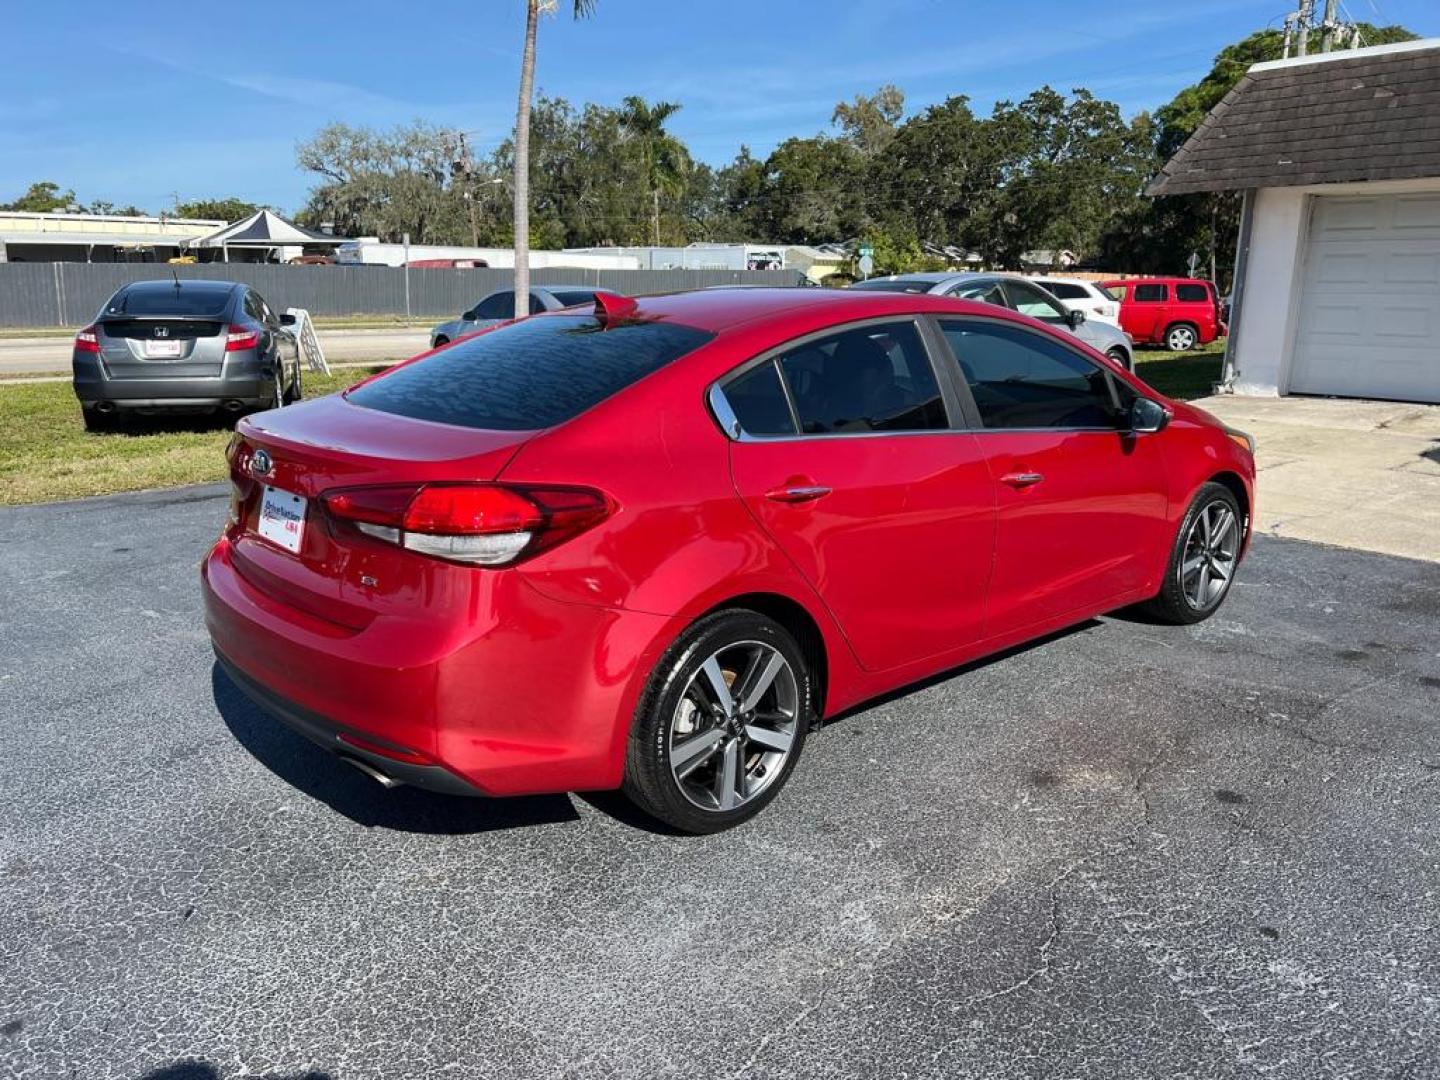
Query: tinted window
[536,304]
[1149,293]
[873,378]
[528,375]
[907,285]
[1021,379]
[987,291]
[500,305]
[1066,291]
[163,298]
[1192,293]
[252,307]
[758,401]
[572,297]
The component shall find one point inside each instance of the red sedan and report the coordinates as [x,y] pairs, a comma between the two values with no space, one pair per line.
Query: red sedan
[651,545]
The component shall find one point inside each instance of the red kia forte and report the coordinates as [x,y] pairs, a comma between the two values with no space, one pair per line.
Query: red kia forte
[651,545]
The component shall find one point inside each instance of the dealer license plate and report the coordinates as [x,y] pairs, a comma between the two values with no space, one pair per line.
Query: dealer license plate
[282,518]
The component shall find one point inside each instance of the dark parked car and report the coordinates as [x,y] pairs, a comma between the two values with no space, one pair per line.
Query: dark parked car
[184,346]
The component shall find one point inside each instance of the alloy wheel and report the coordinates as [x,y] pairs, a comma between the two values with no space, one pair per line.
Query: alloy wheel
[1182,339]
[1211,550]
[734,726]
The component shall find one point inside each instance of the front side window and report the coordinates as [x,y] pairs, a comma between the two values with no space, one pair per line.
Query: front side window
[500,305]
[1192,294]
[1028,300]
[871,378]
[1149,294]
[1021,379]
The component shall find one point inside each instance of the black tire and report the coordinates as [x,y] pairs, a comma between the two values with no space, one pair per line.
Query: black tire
[1121,357]
[1175,604]
[1178,334]
[297,387]
[652,784]
[96,421]
[440,339]
[277,389]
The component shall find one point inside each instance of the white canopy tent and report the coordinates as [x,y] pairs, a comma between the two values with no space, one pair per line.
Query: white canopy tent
[263,230]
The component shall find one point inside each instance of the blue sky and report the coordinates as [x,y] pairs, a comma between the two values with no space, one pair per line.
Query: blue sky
[144,101]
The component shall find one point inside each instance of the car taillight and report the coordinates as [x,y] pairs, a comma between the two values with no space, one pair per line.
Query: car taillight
[237,338]
[481,524]
[87,341]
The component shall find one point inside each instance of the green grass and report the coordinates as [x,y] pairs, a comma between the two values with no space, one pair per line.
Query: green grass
[46,454]
[1183,376]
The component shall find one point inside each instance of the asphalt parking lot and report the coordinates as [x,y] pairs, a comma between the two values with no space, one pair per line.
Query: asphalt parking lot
[1129,851]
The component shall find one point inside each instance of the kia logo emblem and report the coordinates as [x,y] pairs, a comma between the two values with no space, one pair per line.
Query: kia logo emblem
[261,464]
[162,331]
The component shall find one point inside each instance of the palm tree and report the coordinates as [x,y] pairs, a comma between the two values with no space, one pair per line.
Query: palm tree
[533,11]
[663,158]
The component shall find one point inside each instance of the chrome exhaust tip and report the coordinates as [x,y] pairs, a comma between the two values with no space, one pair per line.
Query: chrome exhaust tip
[383,779]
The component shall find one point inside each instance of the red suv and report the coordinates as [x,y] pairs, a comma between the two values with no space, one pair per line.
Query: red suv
[1178,313]
[651,545]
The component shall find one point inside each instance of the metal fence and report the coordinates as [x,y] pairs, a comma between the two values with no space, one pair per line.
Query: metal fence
[70,294]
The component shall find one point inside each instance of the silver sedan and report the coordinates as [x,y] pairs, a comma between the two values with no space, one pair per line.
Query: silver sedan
[500,305]
[1017,294]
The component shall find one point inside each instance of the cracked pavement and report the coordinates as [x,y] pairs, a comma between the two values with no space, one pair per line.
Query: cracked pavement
[1129,851]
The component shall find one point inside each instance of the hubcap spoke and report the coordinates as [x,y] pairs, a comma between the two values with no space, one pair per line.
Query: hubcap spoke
[758,679]
[719,688]
[728,776]
[694,752]
[769,738]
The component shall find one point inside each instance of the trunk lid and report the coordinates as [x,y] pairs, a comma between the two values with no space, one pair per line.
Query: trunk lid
[338,574]
[169,347]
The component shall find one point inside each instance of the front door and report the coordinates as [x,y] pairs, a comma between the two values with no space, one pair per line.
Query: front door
[1081,503]
[848,460]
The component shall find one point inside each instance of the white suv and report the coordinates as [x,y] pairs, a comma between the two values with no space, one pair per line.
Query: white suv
[1086,296]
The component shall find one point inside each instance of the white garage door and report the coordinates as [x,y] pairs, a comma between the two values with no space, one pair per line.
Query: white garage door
[1369,318]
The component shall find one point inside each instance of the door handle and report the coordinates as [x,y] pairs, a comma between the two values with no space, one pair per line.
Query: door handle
[798,494]
[1022,479]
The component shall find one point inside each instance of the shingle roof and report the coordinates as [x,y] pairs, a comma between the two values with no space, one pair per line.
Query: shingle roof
[1369,114]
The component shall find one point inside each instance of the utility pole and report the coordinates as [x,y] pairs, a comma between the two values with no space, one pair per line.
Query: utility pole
[1306,15]
[1327,28]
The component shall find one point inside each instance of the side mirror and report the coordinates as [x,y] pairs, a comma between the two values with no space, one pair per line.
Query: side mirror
[1074,319]
[287,319]
[1146,416]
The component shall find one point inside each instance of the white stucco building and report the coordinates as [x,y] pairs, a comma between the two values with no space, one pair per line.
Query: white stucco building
[1337,282]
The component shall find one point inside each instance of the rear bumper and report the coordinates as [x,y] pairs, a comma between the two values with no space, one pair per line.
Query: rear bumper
[529,695]
[245,383]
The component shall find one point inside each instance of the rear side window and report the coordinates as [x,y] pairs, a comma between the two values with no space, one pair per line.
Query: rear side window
[528,375]
[573,297]
[1149,293]
[1066,291]
[872,378]
[757,399]
[1020,379]
[166,299]
[1192,293]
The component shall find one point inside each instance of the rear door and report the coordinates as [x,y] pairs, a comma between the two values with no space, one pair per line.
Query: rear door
[1143,316]
[1081,504]
[844,453]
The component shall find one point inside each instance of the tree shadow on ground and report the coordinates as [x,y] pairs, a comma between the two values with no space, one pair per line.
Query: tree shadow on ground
[195,1069]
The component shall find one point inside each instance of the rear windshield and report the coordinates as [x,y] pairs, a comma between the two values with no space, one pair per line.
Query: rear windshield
[528,375]
[910,285]
[165,299]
